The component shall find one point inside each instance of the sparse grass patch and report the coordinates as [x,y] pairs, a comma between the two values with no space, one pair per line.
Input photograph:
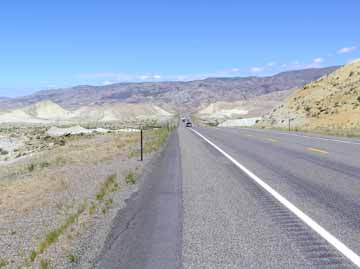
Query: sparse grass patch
[54,235]
[130,178]
[44,264]
[72,258]
[33,255]
[37,165]
[110,185]
[3,263]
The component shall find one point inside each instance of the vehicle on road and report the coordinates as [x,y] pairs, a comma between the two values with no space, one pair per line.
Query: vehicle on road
[188,124]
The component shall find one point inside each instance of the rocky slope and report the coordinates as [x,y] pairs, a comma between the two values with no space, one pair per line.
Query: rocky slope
[184,95]
[253,107]
[330,104]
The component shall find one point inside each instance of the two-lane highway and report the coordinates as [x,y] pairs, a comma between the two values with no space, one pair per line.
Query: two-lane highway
[244,198]
[319,175]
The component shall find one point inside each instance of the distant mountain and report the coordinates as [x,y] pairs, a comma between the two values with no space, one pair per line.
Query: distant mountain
[189,94]
[330,104]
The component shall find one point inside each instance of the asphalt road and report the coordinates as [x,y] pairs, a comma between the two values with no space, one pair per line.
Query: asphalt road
[215,215]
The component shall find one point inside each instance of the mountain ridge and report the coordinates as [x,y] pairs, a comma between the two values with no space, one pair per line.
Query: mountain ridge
[180,94]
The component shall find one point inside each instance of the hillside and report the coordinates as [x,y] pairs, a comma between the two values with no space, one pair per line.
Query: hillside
[49,112]
[253,107]
[182,95]
[330,104]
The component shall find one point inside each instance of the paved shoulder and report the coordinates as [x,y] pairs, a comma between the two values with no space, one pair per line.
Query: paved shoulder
[147,233]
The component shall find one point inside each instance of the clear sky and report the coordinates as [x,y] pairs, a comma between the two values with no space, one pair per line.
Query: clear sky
[50,44]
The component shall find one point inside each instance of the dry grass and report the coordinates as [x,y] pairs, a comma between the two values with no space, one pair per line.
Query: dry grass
[32,183]
[153,140]
[23,184]
[77,150]
[54,235]
[108,186]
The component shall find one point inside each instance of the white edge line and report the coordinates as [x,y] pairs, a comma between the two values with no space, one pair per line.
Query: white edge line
[347,252]
[307,136]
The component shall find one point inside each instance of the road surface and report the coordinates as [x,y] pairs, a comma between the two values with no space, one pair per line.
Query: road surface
[244,198]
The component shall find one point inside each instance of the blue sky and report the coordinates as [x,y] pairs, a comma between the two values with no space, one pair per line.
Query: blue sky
[51,44]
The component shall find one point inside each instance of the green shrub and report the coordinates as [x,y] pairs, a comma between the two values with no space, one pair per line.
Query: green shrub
[72,258]
[33,255]
[130,178]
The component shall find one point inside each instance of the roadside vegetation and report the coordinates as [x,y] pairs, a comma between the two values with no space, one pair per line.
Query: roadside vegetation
[154,138]
[130,178]
[57,192]
[102,200]
[3,263]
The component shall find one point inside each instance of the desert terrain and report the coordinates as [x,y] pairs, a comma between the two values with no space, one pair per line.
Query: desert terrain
[65,174]
[329,105]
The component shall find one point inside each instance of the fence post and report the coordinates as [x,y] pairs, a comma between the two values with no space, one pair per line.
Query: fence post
[141,145]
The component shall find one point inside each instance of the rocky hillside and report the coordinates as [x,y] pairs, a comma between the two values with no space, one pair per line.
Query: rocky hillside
[49,112]
[175,94]
[253,107]
[330,104]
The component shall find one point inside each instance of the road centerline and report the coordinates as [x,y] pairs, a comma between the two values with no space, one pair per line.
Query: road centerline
[332,240]
[317,150]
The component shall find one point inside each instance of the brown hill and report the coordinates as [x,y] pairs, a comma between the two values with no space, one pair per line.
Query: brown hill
[330,104]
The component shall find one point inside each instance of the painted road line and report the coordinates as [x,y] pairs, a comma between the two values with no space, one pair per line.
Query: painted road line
[308,136]
[332,240]
[317,150]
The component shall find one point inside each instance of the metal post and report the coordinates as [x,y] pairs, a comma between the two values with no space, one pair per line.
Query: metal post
[141,145]
[289,124]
